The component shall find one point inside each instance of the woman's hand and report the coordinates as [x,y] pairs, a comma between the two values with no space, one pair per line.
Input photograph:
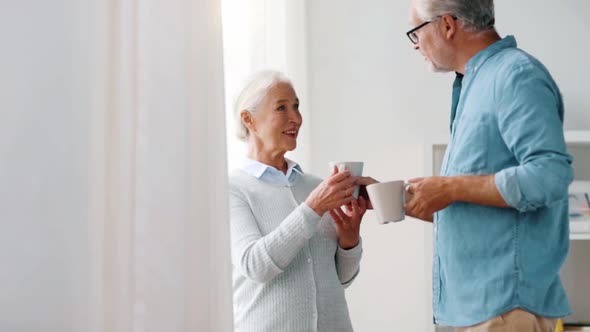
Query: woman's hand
[348,223]
[333,192]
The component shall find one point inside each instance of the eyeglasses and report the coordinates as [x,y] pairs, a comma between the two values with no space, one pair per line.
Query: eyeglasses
[413,36]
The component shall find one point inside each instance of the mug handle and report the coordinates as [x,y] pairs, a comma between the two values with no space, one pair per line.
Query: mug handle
[406,186]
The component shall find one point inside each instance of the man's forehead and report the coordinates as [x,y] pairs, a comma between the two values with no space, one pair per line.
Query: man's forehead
[413,14]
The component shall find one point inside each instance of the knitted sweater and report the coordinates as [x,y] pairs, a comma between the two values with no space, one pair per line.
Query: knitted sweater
[289,273]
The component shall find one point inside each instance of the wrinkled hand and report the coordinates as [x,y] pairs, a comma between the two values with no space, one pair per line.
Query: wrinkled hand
[348,223]
[363,182]
[427,196]
[333,192]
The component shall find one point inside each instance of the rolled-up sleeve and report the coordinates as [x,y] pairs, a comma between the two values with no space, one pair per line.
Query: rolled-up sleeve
[262,257]
[530,120]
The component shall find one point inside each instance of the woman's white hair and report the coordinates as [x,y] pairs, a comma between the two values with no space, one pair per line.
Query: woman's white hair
[476,15]
[253,93]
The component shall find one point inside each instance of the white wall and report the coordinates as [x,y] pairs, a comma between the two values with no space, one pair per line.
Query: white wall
[372,98]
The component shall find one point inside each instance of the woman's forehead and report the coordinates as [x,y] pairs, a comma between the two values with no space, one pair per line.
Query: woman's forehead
[282,91]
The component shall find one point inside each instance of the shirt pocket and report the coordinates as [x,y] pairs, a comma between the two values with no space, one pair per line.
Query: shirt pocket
[471,146]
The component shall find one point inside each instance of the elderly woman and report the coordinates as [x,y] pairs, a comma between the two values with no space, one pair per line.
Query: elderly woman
[294,250]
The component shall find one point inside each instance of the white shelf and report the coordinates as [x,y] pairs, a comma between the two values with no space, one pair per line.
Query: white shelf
[571,137]
[579,236]
[577,136]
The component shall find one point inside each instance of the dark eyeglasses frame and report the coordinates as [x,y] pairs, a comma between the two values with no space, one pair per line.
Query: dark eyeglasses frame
[409,33]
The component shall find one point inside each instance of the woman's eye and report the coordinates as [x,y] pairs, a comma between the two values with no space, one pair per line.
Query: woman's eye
[296,106]
[281,108]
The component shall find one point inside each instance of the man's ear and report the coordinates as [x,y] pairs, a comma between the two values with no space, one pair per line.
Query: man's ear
[449,25]
[248,120]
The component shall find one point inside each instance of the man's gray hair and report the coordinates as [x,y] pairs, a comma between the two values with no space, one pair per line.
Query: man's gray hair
[253,93]
[476,15]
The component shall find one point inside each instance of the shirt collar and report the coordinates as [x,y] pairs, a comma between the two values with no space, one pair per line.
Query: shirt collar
[478,60]
[293,167]
[257,169]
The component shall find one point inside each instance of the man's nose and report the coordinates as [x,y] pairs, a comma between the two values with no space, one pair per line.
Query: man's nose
[416,47]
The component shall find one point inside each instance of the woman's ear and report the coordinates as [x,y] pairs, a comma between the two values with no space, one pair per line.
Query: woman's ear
[248,120]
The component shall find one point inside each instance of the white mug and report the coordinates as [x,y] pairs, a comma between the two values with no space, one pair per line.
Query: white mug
[388,200]
[354,167]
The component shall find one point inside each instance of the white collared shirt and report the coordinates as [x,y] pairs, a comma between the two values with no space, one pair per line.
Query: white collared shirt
[270,174]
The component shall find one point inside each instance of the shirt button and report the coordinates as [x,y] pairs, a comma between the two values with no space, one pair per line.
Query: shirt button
[309,260]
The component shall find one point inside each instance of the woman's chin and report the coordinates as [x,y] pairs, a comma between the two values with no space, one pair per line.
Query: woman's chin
[291,146]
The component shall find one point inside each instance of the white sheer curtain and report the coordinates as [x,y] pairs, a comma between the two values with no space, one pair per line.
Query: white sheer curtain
[113,198]
[264,34]
[160,235]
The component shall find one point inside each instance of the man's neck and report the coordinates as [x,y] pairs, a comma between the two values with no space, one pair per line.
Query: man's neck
[473,44]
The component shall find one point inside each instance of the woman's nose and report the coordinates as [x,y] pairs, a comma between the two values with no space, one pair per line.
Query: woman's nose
[295,117]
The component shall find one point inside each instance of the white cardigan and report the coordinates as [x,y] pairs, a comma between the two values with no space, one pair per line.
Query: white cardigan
[289,273]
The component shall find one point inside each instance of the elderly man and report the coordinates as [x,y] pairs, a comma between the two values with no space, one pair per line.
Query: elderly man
[500,206]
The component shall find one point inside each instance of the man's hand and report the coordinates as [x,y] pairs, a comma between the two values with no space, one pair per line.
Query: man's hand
[363,182]
[429,195]
[432,194]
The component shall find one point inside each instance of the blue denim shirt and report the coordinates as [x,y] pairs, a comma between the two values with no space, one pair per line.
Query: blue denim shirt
[506,120]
